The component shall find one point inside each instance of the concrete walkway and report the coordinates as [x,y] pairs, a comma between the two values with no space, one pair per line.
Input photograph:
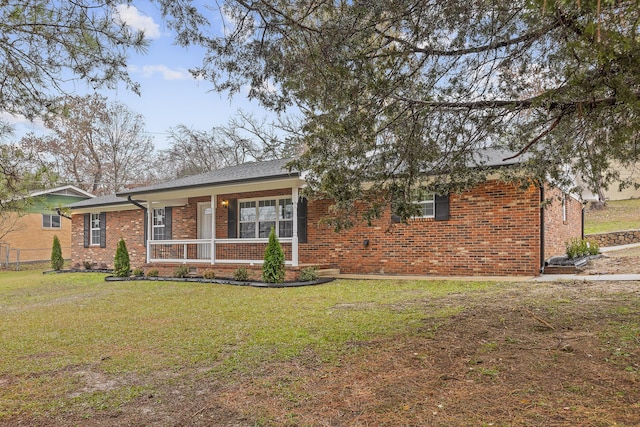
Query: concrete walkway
[586,278]
[541,278]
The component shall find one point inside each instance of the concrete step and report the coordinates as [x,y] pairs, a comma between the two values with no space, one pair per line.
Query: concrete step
[328,272]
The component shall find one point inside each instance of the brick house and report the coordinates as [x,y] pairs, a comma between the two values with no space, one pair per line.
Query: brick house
[30,236]
[220,220]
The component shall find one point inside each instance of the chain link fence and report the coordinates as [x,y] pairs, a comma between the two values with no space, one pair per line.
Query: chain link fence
[14,258]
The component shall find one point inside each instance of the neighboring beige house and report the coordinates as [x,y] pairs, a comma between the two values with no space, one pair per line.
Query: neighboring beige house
[31,238]
[633,173]
[613,193]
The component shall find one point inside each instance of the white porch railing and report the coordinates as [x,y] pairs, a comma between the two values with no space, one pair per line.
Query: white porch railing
[225,251]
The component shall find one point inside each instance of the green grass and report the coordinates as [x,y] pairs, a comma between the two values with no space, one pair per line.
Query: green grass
[618,215]
[56,325]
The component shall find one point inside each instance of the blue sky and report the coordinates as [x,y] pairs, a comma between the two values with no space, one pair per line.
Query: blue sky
[170,96]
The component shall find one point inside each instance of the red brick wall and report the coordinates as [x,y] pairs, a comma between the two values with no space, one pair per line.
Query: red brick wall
[492,230]
[126,224]
[557,231]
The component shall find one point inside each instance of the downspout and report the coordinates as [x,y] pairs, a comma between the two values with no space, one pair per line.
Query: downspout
[59,212]
[144,213]
[582,222]
[542,228]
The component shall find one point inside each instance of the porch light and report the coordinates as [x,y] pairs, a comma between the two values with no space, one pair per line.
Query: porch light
[225,204]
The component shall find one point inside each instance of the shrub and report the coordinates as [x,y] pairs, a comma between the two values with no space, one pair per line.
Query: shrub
[273,266]
[181,271]
[56,255]
[241,274]
[581,247]
[121,264]
[209,274]
[308,274]
[88,265]
[138,272]
[152,273]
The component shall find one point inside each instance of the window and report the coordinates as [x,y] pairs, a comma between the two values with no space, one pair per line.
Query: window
[247,220]
[95,229]
[50,221]
[285,218]
[257,217]
[425,205]
[159,224]
[564,207]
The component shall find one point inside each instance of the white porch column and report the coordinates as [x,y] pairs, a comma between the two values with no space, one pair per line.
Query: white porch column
[214,205]
[149,230]
[294,238]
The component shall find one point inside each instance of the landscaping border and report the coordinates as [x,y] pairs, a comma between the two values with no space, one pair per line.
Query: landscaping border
[222,281]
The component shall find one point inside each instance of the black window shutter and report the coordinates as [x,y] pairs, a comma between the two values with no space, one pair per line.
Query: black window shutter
[168,223]
[232,217]
[87,229]
[302,220]
[145,220]
[103,229]
[442,208]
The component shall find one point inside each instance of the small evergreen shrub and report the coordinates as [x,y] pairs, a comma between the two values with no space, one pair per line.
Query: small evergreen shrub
[138,272]
[121,264]
[152,273]
[581,247]
[56,255]
[308,274]
[273,266]
[209,274]
[181,272]
[241,274]
[88,265]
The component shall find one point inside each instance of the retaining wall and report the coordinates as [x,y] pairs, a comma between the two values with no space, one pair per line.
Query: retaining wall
[615,238]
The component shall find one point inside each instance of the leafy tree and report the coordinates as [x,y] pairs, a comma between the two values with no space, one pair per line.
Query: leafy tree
[121,263]
[99,146]
[56,254]
[273,266]
[46,48]
[389,91]
[46,45]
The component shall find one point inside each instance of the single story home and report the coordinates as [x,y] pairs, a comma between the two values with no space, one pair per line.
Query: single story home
[221,220]
[29,237]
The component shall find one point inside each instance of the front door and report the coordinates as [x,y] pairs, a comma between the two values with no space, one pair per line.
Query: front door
[204,229]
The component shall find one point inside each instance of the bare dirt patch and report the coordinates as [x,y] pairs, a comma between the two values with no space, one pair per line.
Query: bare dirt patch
[625,261]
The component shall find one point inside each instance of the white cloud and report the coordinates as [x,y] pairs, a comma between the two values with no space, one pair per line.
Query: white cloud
[166,73]
[134,19]
[20,120]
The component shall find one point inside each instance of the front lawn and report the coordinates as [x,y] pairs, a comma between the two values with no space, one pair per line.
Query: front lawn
[77,350]
[55,325]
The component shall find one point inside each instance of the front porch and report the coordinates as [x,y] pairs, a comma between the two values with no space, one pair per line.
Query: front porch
[229,226]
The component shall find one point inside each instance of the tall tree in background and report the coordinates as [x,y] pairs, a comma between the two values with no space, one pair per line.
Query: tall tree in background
[391,90]
[243,139]
[98,146]
[45,48]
